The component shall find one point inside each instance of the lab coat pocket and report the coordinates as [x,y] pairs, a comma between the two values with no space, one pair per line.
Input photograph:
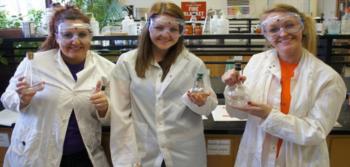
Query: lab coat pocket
[26,144]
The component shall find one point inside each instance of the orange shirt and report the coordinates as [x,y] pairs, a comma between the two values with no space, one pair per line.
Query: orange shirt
[287,72]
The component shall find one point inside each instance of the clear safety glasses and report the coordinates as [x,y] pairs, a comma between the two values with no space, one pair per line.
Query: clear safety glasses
[159,25]
[74,31]
[273,26]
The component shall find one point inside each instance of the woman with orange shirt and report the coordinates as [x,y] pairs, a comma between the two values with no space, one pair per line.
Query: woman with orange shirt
[295,98]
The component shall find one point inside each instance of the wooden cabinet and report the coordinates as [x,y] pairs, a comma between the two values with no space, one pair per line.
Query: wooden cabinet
[339,150]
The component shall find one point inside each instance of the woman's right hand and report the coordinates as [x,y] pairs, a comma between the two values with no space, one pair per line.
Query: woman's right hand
[231,77]
[25,92]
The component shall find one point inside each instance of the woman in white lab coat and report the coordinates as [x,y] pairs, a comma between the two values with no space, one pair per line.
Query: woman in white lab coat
[63,105]
[295,98]
[150,90]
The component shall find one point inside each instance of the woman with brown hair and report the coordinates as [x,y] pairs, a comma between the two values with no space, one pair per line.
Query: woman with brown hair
[294,98]
[154,106]
[60,121]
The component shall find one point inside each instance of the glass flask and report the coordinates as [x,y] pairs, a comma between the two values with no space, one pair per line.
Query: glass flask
[237,95]
[198,85]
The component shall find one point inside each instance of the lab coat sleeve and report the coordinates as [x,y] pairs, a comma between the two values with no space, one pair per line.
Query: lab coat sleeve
[211,102]
[10,98]
[123,144]
[316,125]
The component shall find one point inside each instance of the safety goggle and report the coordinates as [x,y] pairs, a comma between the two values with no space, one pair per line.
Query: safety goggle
[70,31]
[290,23]
[173,27]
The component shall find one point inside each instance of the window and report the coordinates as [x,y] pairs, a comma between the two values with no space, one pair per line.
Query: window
[15,7]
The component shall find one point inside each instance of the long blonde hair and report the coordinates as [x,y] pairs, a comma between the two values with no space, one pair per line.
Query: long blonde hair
[144,50]
[309,39]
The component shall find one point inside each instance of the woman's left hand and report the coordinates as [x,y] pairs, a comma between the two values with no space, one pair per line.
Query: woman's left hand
[198,98]
[256,109]
[99,99]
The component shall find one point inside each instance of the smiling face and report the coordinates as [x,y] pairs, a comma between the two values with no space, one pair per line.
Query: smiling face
[73,38]
[284,31]
[164,31]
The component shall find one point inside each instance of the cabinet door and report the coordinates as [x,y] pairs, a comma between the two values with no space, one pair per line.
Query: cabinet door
[339,150]
[222,150]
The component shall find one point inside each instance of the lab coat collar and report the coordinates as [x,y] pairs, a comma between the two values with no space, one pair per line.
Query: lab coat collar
[273,66]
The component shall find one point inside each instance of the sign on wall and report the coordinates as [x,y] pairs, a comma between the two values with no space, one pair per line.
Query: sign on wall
[197,8]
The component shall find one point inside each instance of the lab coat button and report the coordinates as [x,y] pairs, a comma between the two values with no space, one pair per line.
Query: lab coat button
[23,143]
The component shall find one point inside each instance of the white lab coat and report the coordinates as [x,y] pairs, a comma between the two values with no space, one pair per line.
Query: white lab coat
[37,139]
[167,125]
[317,95]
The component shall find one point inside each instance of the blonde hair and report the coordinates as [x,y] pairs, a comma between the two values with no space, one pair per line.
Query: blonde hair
[144,50]
[309,39]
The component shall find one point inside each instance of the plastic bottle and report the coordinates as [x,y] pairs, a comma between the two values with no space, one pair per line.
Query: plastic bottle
[223,25]
[125,24]
[132,27]
[237,95]
[198,85]
[214,24]
[193,21]
[345,22]
[95,26]
[320,28]
[207,22]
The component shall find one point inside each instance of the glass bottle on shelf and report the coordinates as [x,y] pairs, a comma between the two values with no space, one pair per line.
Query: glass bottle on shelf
[345,22]
[237,95]
[198,86]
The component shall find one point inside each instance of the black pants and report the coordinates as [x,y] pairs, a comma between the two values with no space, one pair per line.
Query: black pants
[80,159]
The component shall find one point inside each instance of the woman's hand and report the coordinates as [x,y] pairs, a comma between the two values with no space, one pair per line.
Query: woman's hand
[231,77]
[25,92]
[256,109]
[99,99]
[198,98]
